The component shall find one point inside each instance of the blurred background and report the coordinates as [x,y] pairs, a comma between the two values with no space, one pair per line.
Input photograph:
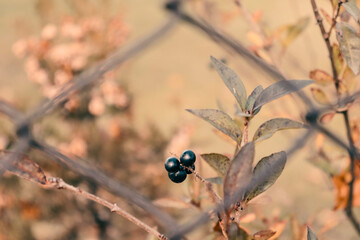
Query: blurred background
[135,118]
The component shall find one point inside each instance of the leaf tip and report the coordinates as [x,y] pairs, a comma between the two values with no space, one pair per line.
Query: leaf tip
[213,59]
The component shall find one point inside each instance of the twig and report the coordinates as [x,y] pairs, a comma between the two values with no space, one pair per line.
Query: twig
[326,38]
[209,186]
[352,154]
[60,184]
[333,24]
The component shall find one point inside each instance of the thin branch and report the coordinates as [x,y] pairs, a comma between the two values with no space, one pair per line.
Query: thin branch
[326,38]
[333,24]
[352,154]
[209,186]
[61,184]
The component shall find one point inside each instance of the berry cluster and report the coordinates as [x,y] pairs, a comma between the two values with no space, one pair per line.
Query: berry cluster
[177,170]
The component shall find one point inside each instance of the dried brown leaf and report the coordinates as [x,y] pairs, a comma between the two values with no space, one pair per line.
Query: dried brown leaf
[321,77]
[263,235]
[327,117]
[26,168]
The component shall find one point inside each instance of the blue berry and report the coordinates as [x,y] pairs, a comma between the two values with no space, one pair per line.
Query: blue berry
[177,177]
[188,158]
[172,164]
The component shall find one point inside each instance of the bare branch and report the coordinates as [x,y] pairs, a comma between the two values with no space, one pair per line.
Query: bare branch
[60,184]
[352,153]
[326,38]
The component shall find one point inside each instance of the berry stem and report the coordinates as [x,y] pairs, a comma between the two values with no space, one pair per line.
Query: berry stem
[214,196]
[209,186]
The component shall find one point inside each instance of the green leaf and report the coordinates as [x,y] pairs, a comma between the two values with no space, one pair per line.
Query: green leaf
[293,31]
[239,173]
[338,58]
[216,180]
[349,42]
[219,120]
[266,172]
[252,98]
[352,8]
[232,81]
[268,128]
[310,234]
[278,90]
[323,164]
[320,96]
[218,162]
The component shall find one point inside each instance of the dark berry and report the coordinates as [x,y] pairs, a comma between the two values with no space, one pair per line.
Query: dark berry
[188,158]
[172,164]
[177,177]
